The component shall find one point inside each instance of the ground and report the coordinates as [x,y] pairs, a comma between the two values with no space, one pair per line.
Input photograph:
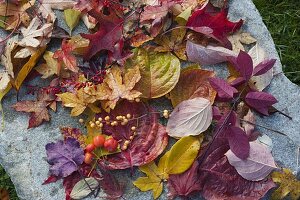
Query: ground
[282,19]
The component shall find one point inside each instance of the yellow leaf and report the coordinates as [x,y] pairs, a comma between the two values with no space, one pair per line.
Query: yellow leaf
[182,154]
[288,185]
[77,101]
[159,71]
[27,68]
[173,42]
[72,18]
[79,44]
[51,66]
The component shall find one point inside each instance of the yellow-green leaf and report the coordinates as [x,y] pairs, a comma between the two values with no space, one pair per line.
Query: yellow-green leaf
[159,71]
[72,18]
[182,154]
[146,184]
[182,18]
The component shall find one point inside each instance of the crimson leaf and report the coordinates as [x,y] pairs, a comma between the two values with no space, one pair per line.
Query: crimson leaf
[224,90]
[110,185]
[238,142]
[186,183]
[64,157]
[260,101]
[263,67]
[243,64]
[220,180]
[215,26]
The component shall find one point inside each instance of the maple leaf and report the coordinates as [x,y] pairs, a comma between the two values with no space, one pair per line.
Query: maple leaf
[65,56]
[150,141]
[117,85]
[64,157]
[289,185]
[36,33]
[216,172]
[109,33]
[186,183]
[50,68]
[216,26]
[173,43]
[37,109]
[78,101]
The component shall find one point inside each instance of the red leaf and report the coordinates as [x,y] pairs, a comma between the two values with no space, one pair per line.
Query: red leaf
[184,184]
[263,67]
[109,33]
[243,64]
[238,142]
[37,109]
[65,55]
[221,181]
[110,185]
[69,182]
[215,26]
[260,101]
[224,90]
[150,141]
[51,179]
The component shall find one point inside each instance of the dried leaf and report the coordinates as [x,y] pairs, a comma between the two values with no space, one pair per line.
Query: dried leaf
[159,72]
[238,39]
[190,117]
[193,83]
[257,166]
[51,66]
[83,188]
[4,80]
[289,185]
[65,56]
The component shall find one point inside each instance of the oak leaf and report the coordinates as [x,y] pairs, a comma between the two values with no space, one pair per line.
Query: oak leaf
[289,185]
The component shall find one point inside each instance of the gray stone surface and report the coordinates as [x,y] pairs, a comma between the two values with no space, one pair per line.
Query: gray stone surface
[22,151]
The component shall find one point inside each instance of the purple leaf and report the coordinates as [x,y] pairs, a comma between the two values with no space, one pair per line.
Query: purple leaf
[216,113]
[207,55]
[260,101]
[64,157]
[186,183]
[224,90]
[257,166]
[237,82]
[110,185]
[243,64]
[263,67]
[228,119]
[238,142]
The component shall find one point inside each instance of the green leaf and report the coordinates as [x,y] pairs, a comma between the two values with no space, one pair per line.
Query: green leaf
[72,18]
[182,18]
[83,188]
[159,71]
[182,154]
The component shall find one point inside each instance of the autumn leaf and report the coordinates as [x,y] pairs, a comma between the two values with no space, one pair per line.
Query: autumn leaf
[224,90]
[78,101]
[172,43]
[193,83]
[159,72]
[216,26]
[243,63]
[65,56]
[190,117]
[288,185]
[238,39]
[51,66]
[121,85]
[260,101]
[37,109]
[72,17]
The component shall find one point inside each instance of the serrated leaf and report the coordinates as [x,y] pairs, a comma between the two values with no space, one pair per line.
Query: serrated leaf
[257,166]
[159,71]
[72,17]
[83,188]
[182,154]
[190,117]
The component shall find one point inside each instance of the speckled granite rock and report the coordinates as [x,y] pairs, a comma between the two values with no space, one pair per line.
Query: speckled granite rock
[22,151]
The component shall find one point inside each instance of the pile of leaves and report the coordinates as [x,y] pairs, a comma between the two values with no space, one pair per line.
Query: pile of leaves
[130,57]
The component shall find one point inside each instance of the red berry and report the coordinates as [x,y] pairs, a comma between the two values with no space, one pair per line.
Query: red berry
[88,158]
[99,140]
[90,148]
[111,144]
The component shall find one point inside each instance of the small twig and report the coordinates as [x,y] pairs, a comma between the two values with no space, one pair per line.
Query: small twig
[282,113]
[279,132]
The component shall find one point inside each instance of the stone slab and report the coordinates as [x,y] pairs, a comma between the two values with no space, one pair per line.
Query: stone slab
[22,151]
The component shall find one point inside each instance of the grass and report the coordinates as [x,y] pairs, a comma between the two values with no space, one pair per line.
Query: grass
[282,18]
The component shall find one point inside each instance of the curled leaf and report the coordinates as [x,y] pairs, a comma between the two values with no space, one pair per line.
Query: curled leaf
[190,117]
